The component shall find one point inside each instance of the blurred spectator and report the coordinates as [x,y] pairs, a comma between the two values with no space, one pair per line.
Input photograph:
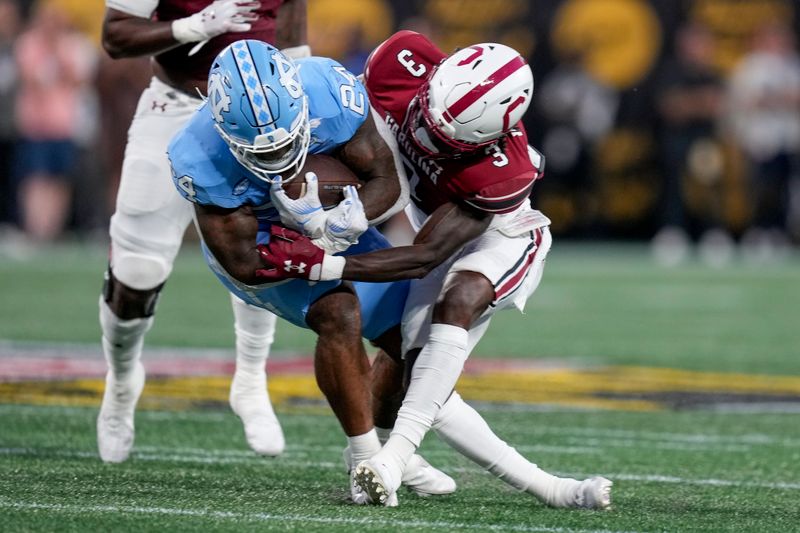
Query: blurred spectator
[340,29]
[55,65]
[578,111]
[357,51]
[765,121]
[689,103]
[9,27]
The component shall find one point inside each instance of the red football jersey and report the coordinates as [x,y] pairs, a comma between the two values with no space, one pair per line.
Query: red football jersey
[498,179]
[177,60]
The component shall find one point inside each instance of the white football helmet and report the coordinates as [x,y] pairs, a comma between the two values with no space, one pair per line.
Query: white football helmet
[471,99]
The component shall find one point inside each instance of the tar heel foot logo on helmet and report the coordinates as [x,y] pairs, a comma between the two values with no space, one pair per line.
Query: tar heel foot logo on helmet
[259,108]
[470,100]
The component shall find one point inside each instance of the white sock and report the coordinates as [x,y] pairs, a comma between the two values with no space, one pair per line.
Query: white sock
[433,377]
[362,447]
[122,340]
[465,430]
[255,332]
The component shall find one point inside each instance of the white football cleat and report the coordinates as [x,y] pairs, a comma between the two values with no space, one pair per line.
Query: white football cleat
[375,480]
[593,493]
[419,476]
[359,497]
[250,402]
[115,430]
[426,480]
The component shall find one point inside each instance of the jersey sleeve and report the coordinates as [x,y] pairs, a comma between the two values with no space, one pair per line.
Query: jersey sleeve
[337,100]
[504,197]
[507,195]
[137,8]
[397,65]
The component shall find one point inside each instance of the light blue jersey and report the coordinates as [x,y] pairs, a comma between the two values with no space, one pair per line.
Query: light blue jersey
[206,172]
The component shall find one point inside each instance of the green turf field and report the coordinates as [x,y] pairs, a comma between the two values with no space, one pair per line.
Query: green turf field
[715,467]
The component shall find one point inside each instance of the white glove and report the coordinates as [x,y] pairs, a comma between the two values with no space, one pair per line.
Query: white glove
[304,214]
[345,224]
[222,16]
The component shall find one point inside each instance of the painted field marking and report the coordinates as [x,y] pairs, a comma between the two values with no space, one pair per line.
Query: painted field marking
[264,517]
[220,457]
[615,388]
[623,435]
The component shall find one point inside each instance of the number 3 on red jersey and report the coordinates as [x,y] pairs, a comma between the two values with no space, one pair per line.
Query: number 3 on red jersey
[404,57]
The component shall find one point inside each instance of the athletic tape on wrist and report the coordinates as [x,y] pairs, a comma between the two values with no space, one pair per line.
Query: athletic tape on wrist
[332,268]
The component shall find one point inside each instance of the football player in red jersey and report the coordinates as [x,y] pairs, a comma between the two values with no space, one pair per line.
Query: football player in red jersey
[480,247]
[183,37]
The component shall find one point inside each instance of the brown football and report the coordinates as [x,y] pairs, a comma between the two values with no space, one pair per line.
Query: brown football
[332,175]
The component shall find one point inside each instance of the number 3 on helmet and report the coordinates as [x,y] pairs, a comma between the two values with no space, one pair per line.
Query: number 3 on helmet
[470,100]
[259,108]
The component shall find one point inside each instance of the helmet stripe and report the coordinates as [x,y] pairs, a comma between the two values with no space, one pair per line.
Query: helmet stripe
[252,83]
[519,101]
[482,88]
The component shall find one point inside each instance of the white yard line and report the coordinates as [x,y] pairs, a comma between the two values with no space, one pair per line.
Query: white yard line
[584,440]
[221,457]
[758,439]
[268,517]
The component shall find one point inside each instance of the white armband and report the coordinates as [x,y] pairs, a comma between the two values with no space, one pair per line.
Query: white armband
[137,8]
[297,52]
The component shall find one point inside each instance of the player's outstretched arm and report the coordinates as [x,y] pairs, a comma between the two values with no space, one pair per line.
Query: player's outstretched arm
[449,228]
[230,234]
[126,35]
[134,33]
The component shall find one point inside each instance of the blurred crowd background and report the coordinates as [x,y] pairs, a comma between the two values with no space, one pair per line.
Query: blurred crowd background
[668,121]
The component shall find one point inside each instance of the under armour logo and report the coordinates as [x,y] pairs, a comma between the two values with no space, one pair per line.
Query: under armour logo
[288,267]
[156,105]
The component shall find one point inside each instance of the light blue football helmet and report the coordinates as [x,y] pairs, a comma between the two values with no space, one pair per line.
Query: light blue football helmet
[260,109]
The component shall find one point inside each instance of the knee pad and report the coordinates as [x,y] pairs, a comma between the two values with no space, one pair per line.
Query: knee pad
[129,304]
[139,271]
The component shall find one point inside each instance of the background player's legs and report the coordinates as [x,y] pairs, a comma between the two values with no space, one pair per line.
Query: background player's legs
[136,274]
[123,337]
[255,331]
[146,233]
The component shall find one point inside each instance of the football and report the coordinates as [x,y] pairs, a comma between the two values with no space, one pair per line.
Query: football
[332,175]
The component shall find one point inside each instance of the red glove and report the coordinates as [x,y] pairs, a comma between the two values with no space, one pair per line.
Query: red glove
[293,255]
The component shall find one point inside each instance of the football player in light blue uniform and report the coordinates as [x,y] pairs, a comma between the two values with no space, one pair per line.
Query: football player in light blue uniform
[263,115]
[212,166]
